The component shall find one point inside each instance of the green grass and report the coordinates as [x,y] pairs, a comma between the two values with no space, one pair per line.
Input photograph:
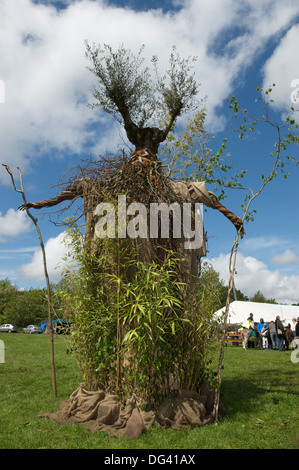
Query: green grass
[260,392]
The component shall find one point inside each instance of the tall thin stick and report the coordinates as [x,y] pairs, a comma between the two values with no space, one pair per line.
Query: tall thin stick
[34,220]
[232,266]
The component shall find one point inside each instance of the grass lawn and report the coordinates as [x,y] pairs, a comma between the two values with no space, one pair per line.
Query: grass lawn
[260,392]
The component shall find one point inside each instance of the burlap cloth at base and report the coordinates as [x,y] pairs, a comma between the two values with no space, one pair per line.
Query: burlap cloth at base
[100,411]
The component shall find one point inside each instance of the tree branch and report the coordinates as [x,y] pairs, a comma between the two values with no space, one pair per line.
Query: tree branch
[34,220]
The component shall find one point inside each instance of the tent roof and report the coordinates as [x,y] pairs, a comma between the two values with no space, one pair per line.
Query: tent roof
[239,312]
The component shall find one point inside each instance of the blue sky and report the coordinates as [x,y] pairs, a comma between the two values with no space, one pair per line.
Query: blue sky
[47,128]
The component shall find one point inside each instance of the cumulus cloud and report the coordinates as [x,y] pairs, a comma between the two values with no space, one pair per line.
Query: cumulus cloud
[287,257]
[13,224]
[253,275]
[47,85]
[55,251]
[263,243]
[282,69]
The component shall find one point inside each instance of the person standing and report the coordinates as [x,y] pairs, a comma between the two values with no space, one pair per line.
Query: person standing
[294,327]
[273,335]
[264,335]
[249,324]
[279,331]
[296,334]
[288,336]
[261,325]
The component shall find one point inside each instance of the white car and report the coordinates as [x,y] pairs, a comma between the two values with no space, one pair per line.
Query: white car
[32,329]
[8,328]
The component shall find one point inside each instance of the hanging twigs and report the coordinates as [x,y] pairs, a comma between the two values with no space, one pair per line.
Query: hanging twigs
[34,220]
[280,144]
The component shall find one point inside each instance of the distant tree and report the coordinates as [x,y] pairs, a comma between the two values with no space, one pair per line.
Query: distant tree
[240,296]
[29,307]
[211,277]
[8,291]
[259,297]
[210,281]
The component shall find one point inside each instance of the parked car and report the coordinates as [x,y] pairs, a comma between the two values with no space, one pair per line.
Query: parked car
[32,329]
[8,328]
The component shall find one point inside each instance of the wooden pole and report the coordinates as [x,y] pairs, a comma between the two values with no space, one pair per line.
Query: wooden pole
[34,220]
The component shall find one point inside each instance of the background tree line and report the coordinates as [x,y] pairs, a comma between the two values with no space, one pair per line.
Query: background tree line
[24,307]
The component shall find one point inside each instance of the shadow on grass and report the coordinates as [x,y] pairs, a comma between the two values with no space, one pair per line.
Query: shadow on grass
[267,386]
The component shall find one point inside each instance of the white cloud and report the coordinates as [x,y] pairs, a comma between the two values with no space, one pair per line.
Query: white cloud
[47,86]
[287,257]
[55,251]
[24,250]
[253,275]
[13,224]
[262,243]
[282,68]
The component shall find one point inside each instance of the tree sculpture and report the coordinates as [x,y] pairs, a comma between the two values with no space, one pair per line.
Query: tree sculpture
[127,91]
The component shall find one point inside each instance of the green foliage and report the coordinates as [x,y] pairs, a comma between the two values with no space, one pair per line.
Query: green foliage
[86,298]
[211,277]
[200,332]
[7,293]
[188,150]
[122,81]
[25,307]
[151,309]
[179,90]
[141,333]
[286,138]
[126,89]
[259,297]
[28,307]
[189,157]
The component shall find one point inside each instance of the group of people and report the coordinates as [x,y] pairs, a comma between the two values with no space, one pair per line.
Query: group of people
[274,334]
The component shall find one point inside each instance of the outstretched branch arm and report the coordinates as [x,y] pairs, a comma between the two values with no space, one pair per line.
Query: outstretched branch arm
[70,193]
[237,221]
[197,193]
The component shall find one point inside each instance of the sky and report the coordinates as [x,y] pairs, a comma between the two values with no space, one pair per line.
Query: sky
[46,127]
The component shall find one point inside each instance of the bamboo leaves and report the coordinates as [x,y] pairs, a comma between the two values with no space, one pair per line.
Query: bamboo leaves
[137,328]
[138,334]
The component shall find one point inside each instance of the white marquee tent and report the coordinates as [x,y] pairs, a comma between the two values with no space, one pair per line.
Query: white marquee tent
[239,312]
